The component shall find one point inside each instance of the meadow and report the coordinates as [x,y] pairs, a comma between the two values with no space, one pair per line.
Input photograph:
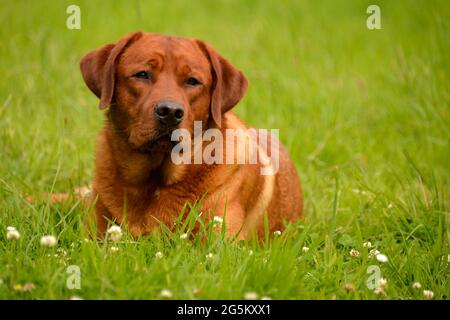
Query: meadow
[364,113]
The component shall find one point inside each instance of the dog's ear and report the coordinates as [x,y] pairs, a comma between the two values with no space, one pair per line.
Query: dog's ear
[229,84]
[98,68]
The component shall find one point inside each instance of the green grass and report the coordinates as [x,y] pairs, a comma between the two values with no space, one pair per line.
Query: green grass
[365,115]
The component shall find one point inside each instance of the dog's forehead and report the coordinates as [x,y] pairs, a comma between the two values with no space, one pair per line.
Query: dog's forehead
[169,47]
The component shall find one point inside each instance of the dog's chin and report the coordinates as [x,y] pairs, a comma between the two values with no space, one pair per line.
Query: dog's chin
[159,144]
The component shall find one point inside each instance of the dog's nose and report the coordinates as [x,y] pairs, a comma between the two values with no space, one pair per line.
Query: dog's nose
[169,113]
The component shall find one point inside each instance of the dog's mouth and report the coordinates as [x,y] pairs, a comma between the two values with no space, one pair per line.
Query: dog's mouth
[160,143]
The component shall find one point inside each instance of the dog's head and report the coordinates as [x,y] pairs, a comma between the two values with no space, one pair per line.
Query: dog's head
[154,84]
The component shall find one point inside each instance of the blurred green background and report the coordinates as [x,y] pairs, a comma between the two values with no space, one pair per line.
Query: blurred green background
[367,108]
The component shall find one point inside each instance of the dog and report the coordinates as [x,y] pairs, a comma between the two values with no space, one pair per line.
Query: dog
[152,85]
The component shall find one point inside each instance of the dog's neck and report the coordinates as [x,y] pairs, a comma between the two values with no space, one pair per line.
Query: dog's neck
[134,167]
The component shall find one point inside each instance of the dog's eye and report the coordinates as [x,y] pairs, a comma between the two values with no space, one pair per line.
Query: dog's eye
[143,75]
[191,81]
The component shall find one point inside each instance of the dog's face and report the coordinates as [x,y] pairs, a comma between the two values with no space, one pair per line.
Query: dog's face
[155,84]
[162,84]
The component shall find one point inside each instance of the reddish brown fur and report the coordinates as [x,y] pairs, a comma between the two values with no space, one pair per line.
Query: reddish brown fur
[146,184]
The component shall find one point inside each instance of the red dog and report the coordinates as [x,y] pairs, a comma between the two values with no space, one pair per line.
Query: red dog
[154,84]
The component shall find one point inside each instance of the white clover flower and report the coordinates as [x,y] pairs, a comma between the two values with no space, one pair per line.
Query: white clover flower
[9,228]
[183,236]
[166,294]
[277,233]
[250,296]
[12,234]
[367,244]
[114,229]
[382,258]
[159,255]
[354,253]
[383,282]
[115,233]
[305,249]
[266,298]
[390,206]
[209,256]
[428,294]
[83,191]
[373,253]
[416,285]
[48,241]
[114,249]
[379,291]
[217,221]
